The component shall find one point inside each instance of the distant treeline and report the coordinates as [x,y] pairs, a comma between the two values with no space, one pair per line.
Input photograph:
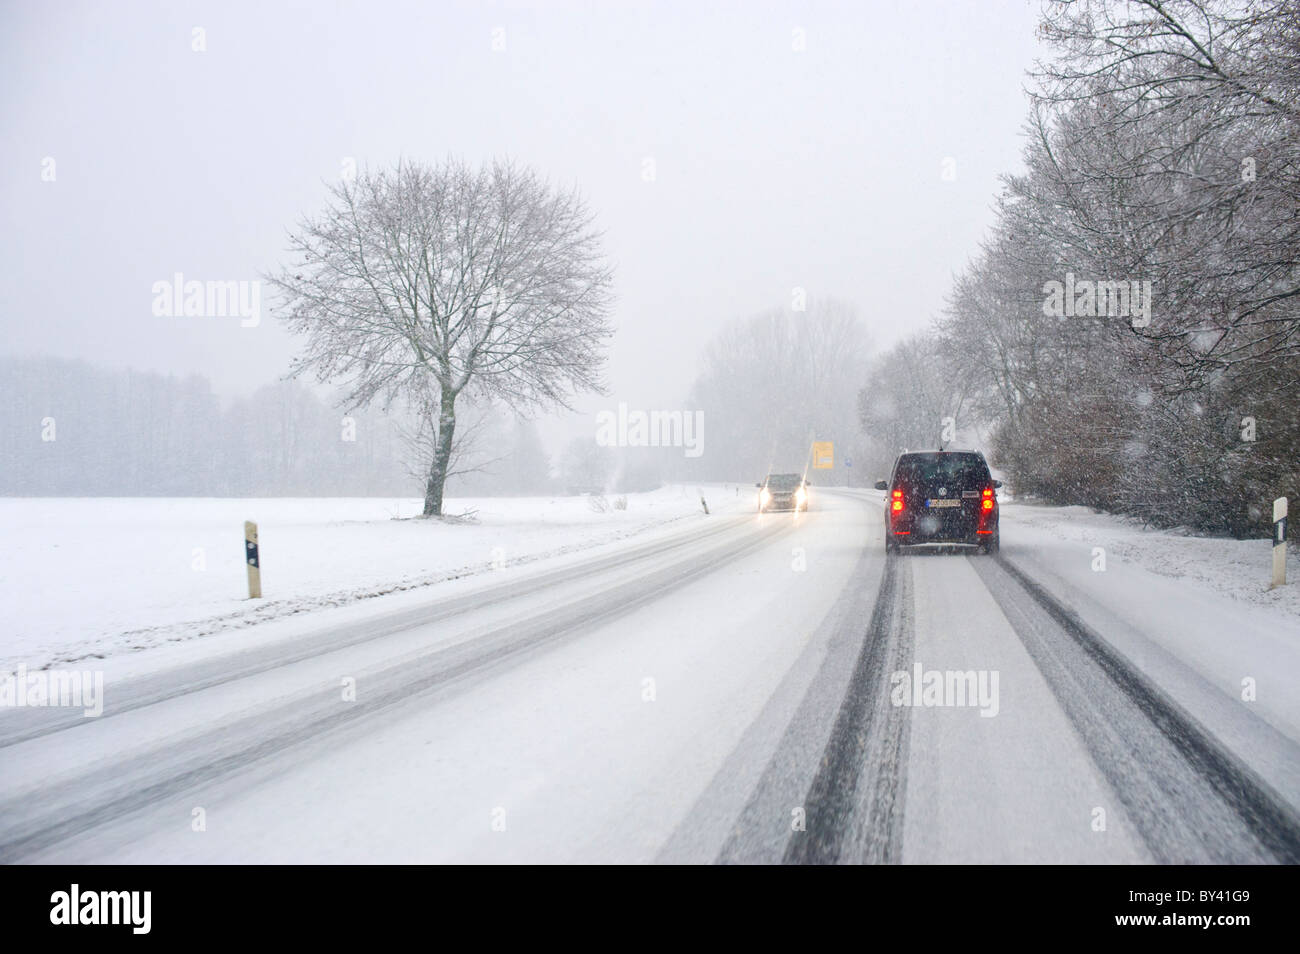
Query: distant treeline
[772,384]
[69,428]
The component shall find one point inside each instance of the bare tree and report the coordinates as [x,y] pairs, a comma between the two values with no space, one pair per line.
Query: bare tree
[772,383]
[586,467]
[445,280]
[420,430]
[1162,147]
[909,391]
[1168,144]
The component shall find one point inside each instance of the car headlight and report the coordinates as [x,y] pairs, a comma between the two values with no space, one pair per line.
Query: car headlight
[766,495]
[801,495]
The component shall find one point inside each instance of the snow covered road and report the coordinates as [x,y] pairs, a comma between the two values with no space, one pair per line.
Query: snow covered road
[747,689]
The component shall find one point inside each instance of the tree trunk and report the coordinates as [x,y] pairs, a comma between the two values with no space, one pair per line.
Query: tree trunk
[442,455]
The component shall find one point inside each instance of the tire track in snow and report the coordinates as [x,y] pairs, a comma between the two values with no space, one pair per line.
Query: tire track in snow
[853,804]
[1192,800]
[35,821]
[195,677]
[854,807]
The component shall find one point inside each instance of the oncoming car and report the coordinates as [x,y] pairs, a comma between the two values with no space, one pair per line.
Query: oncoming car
[783,492]
[946,497]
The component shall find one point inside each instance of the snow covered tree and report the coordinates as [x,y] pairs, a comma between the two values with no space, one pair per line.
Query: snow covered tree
[529,464]
[1163,147]
[586,467]
[429,282]
[911,390]
[771,384]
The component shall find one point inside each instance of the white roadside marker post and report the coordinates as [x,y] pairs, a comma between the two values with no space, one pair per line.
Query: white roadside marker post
[251,558]
[1279,541]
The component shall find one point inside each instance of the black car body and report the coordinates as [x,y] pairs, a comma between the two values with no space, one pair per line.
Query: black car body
[941,497]
[783,492]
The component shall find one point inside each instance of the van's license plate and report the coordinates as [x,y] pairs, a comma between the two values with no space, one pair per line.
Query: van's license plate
[943,503]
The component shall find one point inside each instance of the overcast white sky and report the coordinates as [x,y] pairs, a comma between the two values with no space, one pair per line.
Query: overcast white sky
[775,168]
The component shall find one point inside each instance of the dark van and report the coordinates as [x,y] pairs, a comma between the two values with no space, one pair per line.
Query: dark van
[941,497]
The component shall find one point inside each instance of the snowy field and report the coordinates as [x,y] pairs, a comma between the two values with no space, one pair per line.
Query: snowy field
[88,577]
[1238,569]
